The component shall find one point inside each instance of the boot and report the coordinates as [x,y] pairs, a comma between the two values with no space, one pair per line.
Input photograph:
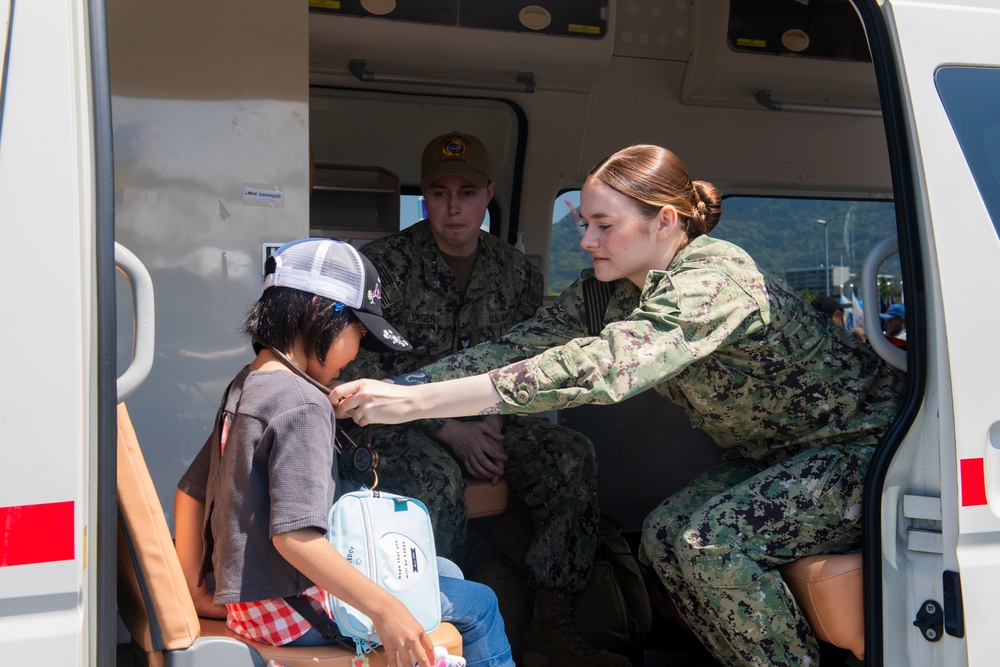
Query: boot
[553,641]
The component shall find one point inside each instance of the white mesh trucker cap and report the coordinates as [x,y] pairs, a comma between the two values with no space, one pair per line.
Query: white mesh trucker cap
[337,271]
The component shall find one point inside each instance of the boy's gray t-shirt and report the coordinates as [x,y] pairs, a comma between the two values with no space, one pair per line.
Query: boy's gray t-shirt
[276,474]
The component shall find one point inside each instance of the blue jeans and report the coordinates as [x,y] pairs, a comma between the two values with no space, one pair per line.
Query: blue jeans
[472,609]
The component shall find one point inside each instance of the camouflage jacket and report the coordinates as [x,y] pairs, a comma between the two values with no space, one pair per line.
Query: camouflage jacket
[752,364]
[423,301]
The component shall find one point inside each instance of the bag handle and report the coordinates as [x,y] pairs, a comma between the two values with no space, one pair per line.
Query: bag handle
[327,628]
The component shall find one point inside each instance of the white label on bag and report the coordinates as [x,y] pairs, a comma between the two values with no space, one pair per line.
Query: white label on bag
[405,563]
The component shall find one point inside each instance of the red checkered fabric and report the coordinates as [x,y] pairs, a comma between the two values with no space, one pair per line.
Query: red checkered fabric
[274,621]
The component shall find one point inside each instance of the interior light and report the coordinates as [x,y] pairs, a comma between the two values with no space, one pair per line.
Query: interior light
[534,17]
[378,7]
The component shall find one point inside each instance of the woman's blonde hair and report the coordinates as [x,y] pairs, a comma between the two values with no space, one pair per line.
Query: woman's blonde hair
[653,177]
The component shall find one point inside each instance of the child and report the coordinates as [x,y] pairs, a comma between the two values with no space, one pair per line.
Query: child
[253,505]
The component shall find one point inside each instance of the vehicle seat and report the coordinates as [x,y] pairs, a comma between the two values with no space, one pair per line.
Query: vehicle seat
[485,499]
[153,598]
[830,592]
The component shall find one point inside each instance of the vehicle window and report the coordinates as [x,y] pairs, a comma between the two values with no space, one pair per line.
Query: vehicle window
[412,210]
[566,257]
[794,238]
[395,157]
[971,98]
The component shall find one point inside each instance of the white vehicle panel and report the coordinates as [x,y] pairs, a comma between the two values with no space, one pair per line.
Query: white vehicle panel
[46,204]
[961,248]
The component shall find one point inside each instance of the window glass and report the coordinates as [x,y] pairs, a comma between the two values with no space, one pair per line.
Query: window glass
[566,257]
[971,98]
[412,210]
[794,238]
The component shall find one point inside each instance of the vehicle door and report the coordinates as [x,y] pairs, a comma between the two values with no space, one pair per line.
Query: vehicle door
[939,535]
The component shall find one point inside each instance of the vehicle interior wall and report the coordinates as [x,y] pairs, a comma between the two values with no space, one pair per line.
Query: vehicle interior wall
[211,161]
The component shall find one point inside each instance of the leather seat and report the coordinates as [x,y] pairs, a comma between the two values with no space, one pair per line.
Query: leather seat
[485,499]
[830,591]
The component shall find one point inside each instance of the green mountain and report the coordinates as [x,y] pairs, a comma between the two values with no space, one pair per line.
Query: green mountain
[780,234]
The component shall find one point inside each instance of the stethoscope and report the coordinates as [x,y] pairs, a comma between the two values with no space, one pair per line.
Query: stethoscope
[363,460]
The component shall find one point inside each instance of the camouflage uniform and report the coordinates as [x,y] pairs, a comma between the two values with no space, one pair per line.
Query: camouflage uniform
[551,468]
[797,401]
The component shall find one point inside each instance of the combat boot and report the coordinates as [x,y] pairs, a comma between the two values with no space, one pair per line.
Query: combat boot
[552,640]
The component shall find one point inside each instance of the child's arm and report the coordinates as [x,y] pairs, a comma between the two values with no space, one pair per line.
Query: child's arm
[402,635]
[188,518]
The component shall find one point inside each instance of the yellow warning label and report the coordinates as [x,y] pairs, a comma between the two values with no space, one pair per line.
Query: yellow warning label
[325,4]
[585,29]
[745,41]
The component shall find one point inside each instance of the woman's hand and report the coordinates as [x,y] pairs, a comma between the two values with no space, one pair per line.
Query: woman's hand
[373,402]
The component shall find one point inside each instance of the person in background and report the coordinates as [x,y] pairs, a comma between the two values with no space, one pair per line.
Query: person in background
[800,406]
[894,322]
[448,286]
[859,334]
[831,307]
[252,507]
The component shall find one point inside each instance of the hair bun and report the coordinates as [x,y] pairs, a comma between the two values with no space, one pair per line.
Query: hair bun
[709,204]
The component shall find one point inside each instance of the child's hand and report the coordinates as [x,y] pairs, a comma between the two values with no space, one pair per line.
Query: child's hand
[204,604]
[403,638]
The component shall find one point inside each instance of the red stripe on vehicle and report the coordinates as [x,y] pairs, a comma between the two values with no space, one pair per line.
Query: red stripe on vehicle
[973,482]
[36,533]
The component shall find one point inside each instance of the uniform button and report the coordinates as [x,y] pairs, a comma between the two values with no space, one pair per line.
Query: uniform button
[522,396]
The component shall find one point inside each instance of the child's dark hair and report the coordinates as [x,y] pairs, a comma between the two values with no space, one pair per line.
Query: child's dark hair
[284,315]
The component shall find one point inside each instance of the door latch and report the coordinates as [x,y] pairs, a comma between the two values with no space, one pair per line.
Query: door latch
[930,620]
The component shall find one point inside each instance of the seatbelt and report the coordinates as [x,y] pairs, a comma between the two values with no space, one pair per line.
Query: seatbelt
[596,297]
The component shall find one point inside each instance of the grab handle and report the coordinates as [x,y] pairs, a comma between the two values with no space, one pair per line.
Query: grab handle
[893,355]
[143,330]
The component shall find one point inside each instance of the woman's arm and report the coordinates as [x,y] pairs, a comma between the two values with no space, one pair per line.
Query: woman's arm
[402,636]
[188,520]
[548,327]
[373,402]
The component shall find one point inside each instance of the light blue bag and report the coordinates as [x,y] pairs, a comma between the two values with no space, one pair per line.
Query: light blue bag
[389,539]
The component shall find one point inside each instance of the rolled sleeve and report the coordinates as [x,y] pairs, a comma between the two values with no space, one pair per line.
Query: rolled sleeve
[559,378]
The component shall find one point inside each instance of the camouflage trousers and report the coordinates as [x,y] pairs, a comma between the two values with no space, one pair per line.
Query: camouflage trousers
[552,469]
[715,545]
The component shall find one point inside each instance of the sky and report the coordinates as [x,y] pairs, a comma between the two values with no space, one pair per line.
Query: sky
[560,209]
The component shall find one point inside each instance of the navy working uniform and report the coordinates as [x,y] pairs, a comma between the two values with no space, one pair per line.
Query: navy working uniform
[799,404]
[551,468]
